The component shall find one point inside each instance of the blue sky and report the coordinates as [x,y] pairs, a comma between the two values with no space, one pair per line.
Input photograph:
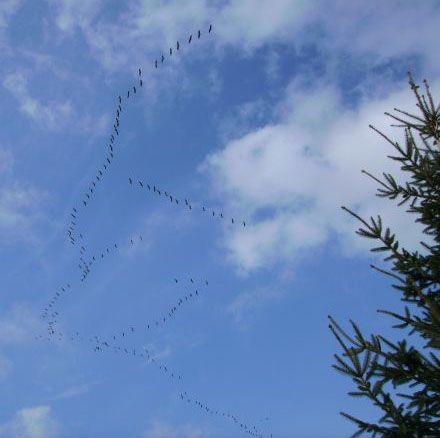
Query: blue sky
[264,120]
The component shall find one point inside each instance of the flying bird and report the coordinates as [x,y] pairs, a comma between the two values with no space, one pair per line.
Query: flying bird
[134,89]
[140,72]
[190,38]
[177,45]
[140,82]
[155,63]
[130,180]
[141,183]
[128,94]
[210,28]
[171,51]
[198,34]
[120,99]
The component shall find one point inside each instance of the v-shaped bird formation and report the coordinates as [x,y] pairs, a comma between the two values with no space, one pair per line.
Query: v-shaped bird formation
[118,342]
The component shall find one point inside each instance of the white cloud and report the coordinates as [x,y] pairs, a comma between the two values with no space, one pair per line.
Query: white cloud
[53,115]
[163,430]
[303,168]
[34,422]
[151,26]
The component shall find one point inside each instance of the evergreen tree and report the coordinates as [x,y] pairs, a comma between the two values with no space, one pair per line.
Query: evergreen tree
[372,368]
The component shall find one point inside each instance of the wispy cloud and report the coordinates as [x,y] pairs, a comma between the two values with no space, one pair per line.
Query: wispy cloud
[20,204]
[52,115]
[34,422]
[164,430]
[19,324]
[76,390]
[5,367]
[7,9]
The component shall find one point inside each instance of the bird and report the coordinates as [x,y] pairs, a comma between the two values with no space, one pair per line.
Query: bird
[171,51]
[155,63]
[140,82]
[244,223]
[175,280]
[140,72]
[141,183]
[130,180]
[120,99]
[163,58]
[108,159]
[190,38]
[198,34]
[134,89]
[177,45]
[128,94]
[210,28]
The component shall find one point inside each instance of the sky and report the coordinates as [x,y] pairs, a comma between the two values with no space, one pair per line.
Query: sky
[210,312]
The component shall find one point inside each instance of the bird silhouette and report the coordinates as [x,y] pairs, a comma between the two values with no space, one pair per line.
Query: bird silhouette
[140,82]
[128,94]
[190,38]
[141,183]
[134,89]
[130,180]
[171,51]
[198,34]
[210,28]
[140,72]
[177,45]
[155,63]
[163,58]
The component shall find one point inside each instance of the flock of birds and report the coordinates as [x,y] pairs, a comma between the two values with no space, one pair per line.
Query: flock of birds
[118,342]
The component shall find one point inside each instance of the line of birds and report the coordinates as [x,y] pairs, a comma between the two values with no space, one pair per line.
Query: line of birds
[110,154]
[245,428]
[101,346]
[154,189]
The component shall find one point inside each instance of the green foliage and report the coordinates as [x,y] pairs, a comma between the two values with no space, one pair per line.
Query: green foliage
[419,414]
